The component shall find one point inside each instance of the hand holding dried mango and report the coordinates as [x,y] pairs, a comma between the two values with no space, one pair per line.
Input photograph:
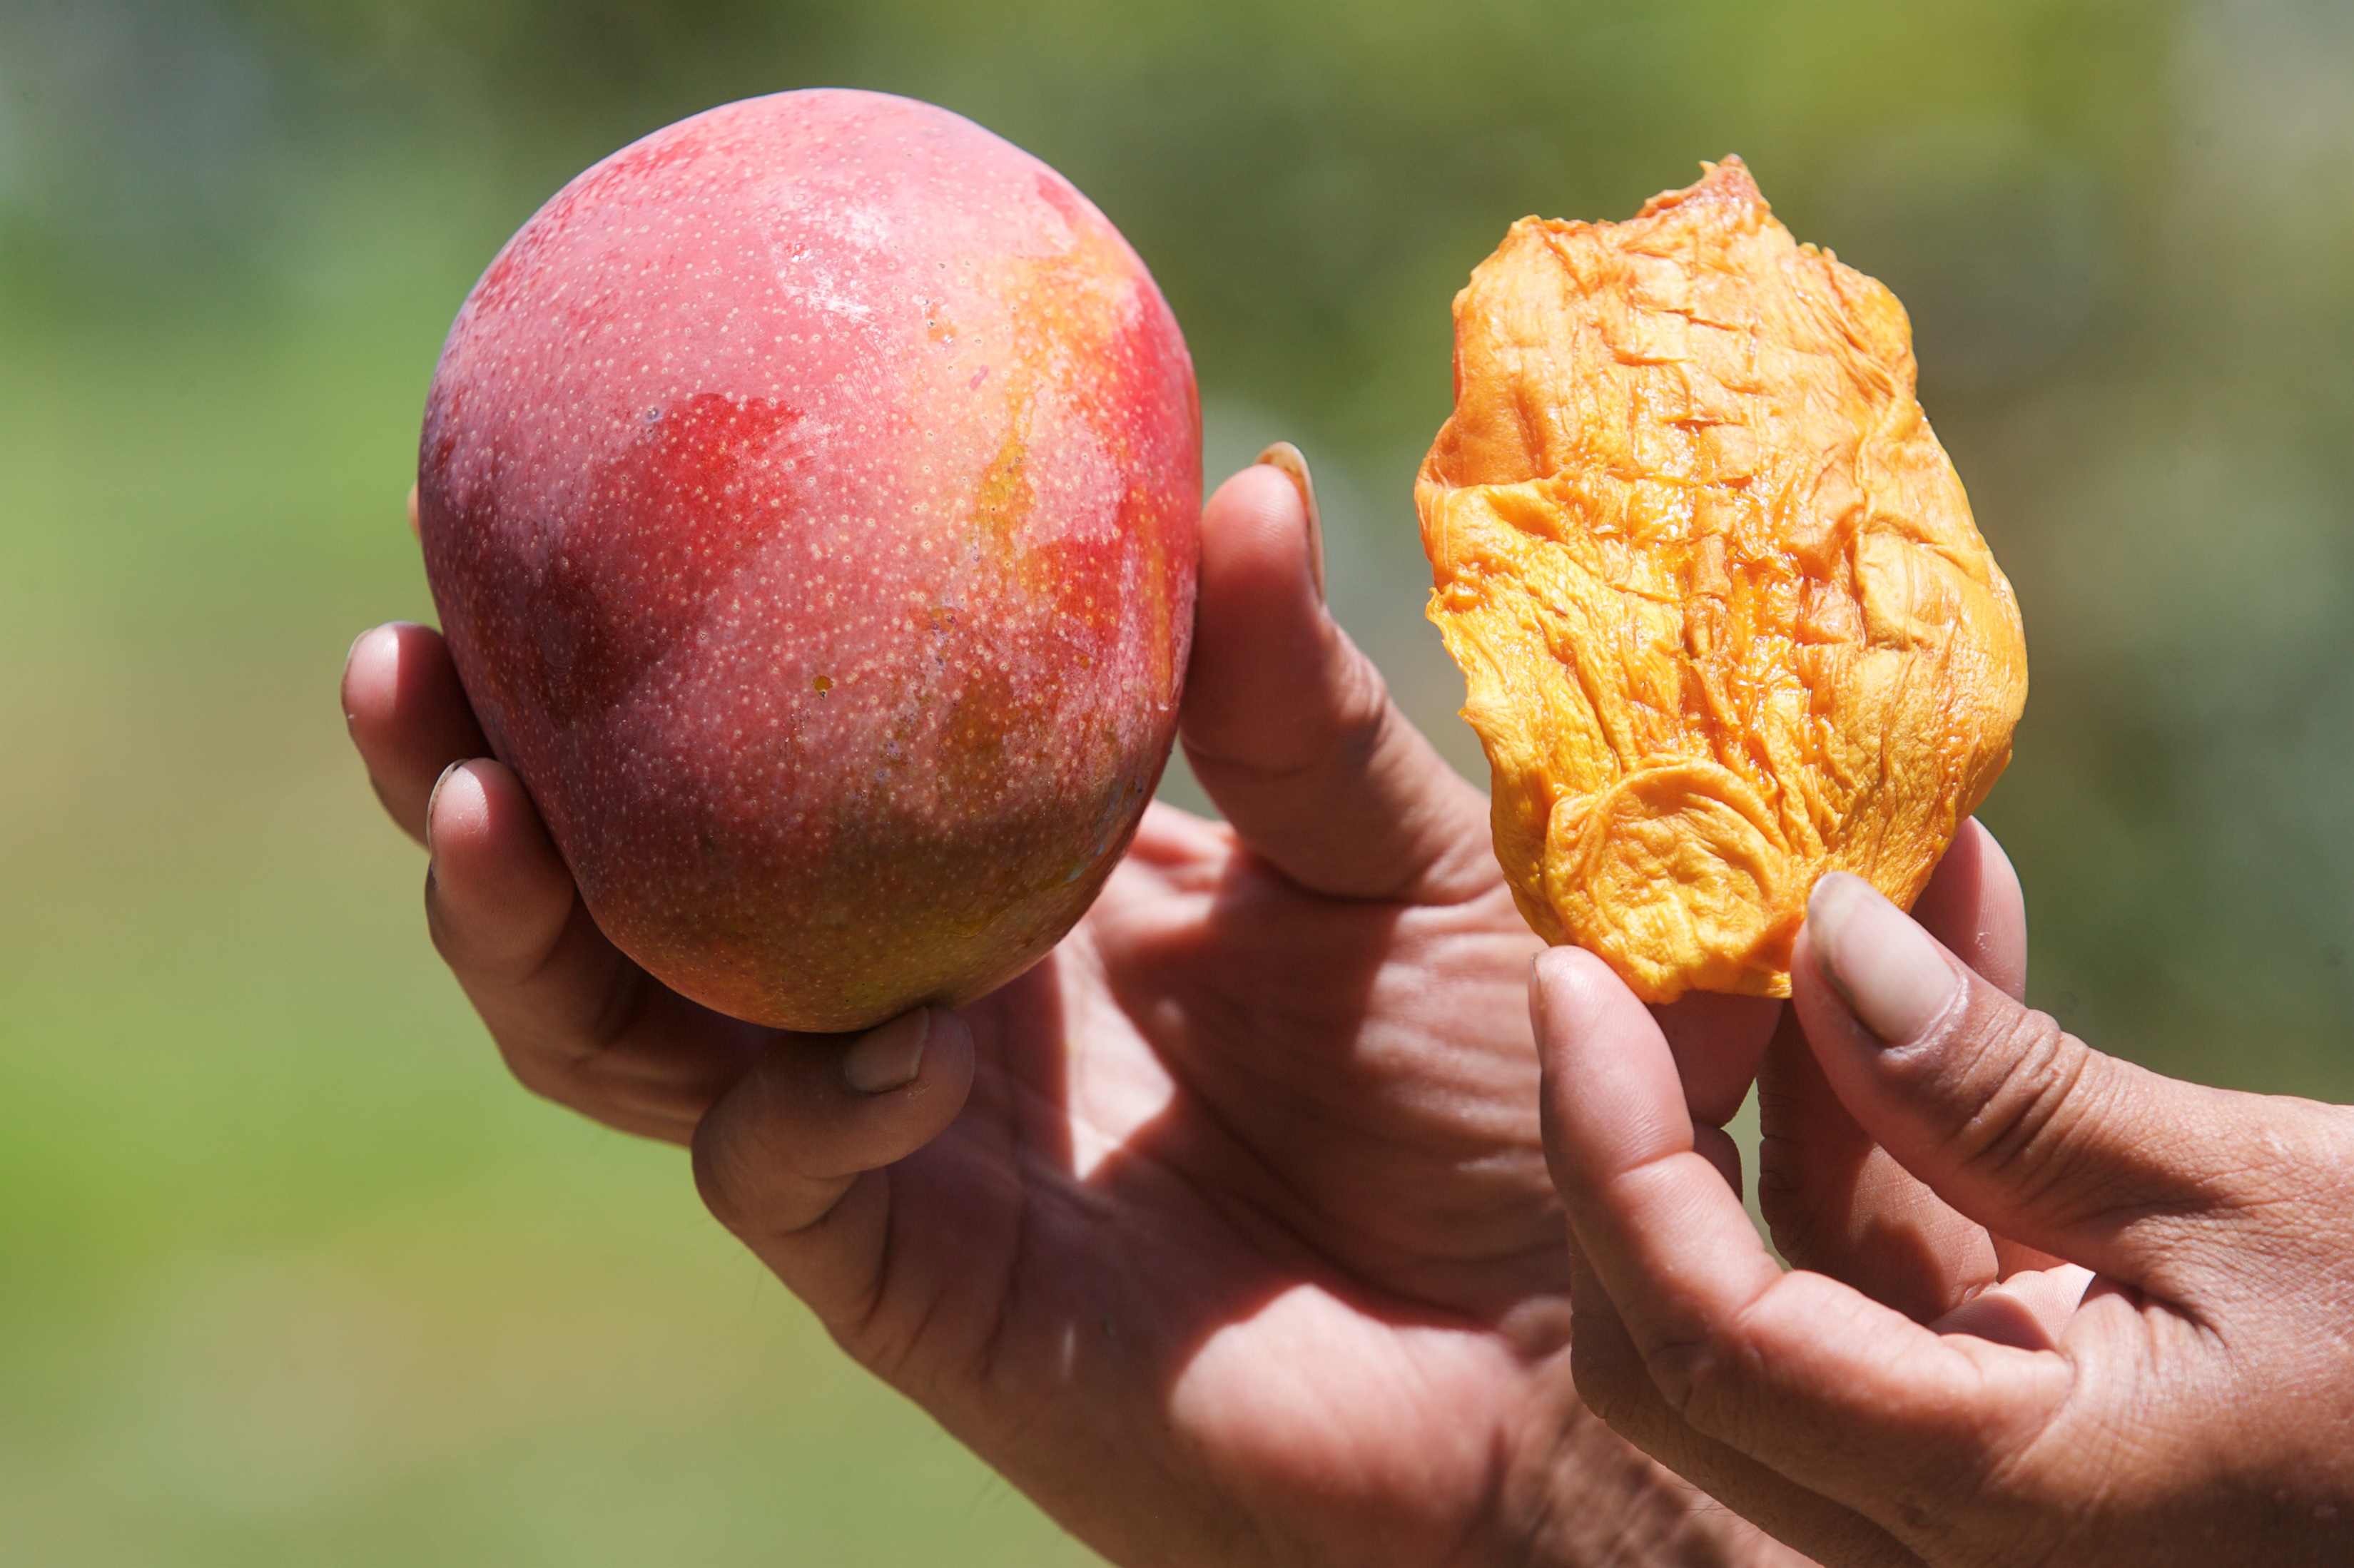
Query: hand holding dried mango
[1728,629]
[2190,1406]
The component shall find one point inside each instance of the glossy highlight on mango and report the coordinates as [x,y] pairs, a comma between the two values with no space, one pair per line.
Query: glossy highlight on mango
[1724,620]
[811,495]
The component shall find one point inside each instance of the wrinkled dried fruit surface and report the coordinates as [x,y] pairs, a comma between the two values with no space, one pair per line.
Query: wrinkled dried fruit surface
[1724,617]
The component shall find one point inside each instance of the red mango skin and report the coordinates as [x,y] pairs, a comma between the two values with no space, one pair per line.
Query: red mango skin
[811,494]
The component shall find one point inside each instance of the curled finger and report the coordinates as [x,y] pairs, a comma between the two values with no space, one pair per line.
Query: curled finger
[575,1019]
[794,1159]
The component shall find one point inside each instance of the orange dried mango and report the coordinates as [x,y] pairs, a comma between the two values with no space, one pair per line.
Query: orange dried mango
[1724,618]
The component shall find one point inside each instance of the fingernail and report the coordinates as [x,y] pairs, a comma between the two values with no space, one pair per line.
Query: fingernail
[344,684]
[415,529]
[890,1055]
[434,800]
[1284,456]
[1894,978]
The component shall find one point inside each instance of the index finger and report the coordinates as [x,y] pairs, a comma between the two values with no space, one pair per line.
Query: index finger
[1842,1396]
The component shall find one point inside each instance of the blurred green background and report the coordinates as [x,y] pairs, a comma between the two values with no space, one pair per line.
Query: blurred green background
[290,1273]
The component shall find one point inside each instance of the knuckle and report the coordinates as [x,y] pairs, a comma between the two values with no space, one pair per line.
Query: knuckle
[2286,1196]
[496,940]
[2018,1100]
[719,1176]
[619,1007]
[1356,722]
[1794,1209]
[1361,709]
[536,1072]
[1347,722]
[470,946]
[1802,1238]
[553,1079]
[2332,1168]
[1696,1384]
[1796,1227]
[752,1166]
[1614,1388]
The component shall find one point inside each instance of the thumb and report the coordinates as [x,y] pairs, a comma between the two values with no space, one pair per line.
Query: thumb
[1290,728]
[2025,1129]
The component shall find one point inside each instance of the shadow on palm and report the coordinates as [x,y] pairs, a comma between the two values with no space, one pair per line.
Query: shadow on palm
[1250,1170]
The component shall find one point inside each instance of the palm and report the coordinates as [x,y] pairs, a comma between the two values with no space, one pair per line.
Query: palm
[1359,1072]
[1152,1229]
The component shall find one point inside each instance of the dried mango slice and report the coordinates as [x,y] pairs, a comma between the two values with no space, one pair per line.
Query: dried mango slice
[1724,617]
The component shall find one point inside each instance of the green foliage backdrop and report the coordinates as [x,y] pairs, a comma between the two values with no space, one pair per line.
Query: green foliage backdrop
[290,1273]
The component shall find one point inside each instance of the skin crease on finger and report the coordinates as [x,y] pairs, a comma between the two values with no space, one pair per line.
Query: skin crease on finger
[1239,1248]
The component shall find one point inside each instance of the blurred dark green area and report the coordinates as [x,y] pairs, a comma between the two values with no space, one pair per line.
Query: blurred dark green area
[290,1273]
